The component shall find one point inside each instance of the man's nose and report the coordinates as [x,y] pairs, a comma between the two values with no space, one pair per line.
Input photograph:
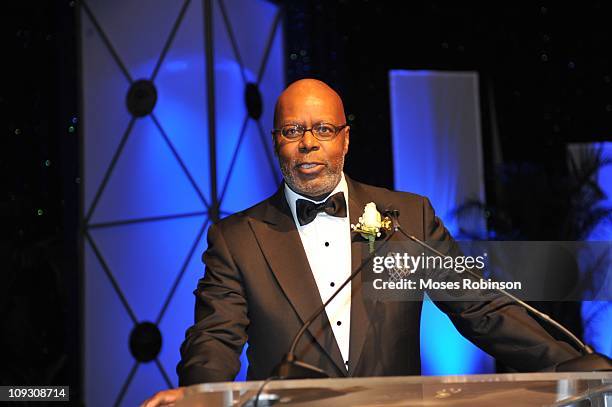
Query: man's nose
[309,142]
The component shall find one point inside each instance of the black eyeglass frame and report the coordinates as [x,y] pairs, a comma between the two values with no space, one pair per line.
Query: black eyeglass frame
[337,129]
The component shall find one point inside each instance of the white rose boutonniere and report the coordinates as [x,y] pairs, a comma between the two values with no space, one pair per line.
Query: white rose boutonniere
[371,218]
[370,224]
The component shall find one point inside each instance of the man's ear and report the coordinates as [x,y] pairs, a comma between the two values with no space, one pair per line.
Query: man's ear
[347,131]
[274,145]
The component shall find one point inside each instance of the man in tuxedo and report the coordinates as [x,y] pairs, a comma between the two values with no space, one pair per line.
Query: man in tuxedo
[270,266]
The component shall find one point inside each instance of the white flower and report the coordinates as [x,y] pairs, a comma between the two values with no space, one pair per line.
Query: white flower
[370,224]
[371,218]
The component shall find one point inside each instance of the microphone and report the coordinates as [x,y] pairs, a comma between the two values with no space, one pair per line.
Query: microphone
[291,367]
[589,361]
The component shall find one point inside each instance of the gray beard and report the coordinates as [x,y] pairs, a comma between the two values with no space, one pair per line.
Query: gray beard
[324,184]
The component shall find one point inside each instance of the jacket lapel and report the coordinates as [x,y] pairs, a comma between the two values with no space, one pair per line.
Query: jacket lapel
[282,247]
[360,308]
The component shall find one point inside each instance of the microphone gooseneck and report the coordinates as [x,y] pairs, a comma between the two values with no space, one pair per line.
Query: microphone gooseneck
[292,368]
[394,215]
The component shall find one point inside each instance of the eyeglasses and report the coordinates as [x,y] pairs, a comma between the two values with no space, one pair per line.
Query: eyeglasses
[321,131]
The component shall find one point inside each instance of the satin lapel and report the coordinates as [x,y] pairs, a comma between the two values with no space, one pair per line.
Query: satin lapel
[282,247]
[360,320]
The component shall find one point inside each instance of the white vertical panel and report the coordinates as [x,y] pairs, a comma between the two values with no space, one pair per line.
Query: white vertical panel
[437,152]
[437,148]
[597,315]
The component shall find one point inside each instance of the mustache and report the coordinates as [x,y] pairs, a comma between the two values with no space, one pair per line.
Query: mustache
[300,162]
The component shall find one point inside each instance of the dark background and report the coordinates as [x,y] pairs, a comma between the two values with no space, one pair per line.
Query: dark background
[545,77]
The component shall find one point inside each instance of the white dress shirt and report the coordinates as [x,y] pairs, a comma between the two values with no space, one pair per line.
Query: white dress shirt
[327,243]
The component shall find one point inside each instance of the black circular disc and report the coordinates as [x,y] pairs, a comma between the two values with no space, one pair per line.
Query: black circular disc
[252,98]
[145,341]
[141,98]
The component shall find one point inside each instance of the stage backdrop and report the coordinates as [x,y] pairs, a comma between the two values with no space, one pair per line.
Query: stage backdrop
[177,103]
[437,152]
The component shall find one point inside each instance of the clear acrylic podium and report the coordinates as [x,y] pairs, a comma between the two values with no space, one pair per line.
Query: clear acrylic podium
[498,390]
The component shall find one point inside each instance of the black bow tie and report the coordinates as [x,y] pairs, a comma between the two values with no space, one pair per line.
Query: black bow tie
[306,210]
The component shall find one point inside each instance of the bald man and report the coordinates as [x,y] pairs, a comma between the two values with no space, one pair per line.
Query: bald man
[270,266]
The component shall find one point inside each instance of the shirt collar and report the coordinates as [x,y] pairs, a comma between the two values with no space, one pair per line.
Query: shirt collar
[291,196]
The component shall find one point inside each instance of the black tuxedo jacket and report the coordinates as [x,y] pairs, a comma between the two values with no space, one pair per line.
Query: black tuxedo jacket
[258,286]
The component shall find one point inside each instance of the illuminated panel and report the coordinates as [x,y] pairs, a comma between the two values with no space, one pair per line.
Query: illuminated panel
[437,153]
[597,315]
[247,170]
[247,55]
[148,181]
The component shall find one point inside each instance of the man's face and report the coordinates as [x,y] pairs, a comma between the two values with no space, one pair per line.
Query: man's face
[311,167]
